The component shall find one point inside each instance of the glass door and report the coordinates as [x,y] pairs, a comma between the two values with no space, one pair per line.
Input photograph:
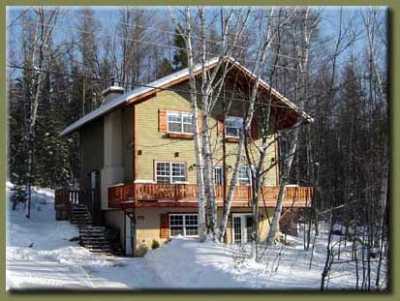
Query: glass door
[237,229]
[242,228]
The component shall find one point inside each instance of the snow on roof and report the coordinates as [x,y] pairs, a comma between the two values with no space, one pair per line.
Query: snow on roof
[125,98]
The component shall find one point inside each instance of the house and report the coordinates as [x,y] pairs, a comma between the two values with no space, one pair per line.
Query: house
[137,157]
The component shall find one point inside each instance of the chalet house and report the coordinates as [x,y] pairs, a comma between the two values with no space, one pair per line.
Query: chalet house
[138,161]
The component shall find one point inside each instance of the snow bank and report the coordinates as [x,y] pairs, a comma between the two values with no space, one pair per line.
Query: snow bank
[40,254]
[187,263]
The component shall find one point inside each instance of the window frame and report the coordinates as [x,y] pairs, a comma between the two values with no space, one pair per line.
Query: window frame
[181,123]
[218,176]
[170,175]
[238,129]
[184,215]
[244,180]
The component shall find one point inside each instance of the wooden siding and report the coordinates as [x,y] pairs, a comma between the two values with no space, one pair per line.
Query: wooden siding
[152,142]
[127,143]
[91,151]
[149,224]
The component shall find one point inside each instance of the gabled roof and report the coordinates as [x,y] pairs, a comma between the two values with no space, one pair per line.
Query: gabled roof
[166,82]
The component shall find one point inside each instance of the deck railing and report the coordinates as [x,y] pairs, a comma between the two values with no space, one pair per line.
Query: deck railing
[147,193]
[65,198]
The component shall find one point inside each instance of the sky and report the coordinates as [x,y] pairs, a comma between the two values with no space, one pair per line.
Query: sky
[329,20]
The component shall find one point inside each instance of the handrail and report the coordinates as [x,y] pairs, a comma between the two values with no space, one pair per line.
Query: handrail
[65,197]
[149,192]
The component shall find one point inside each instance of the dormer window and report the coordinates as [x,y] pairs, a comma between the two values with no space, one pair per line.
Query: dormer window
[180,122]
[233,126]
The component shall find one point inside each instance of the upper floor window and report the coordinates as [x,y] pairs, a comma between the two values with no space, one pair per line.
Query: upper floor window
[233,126]
[218,175]
[170,172]
[244,174]
[180,122]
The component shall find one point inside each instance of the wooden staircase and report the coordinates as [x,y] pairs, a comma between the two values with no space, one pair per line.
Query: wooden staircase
[98,239]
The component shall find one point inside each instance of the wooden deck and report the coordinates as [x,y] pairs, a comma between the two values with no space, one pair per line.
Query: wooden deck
[185,195]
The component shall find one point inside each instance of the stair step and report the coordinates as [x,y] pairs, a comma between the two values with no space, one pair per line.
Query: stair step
[89,232]
[96,234]
[79,206]
[96,227]
[94,238]
[108,248]
[96,243]
[81,222]
[98,248]
[90,228]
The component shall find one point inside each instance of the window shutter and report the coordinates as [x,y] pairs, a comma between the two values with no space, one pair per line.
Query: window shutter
[220,127]
[200,123]
[162,121]
[164,225]
[253,129]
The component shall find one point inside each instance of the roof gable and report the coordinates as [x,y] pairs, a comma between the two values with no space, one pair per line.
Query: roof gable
[166,82]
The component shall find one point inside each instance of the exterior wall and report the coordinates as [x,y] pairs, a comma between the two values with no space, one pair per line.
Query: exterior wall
[115,219]
[106,146]
[91,151]
[148,225]
[127,143]
[155,145]
[113,171]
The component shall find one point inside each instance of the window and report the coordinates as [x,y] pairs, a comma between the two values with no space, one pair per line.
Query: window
[233,126]
[170,172]
[244,174]
[183,224]
[180,122]
[218,175]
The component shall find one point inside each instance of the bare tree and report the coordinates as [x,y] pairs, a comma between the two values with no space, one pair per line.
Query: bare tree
[36,55]
[309,24]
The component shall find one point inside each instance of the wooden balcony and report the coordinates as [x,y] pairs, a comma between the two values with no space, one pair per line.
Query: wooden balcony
[185,195]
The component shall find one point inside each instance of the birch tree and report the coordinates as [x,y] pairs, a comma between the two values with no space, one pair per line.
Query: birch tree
[36,54]
[205,97]
[302,48]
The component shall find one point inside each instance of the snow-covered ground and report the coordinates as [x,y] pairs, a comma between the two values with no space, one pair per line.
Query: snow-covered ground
[41,255]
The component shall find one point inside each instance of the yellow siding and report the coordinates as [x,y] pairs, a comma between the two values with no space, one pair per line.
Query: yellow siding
[148,224]
[155,145]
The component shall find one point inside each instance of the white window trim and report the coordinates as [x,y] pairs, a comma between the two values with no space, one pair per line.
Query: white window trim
[181,114]
[246,180]
[170,172]
[215,175]
[233,226]
[183,223]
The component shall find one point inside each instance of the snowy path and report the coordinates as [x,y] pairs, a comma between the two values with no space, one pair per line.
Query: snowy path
[40,255]
[40,273]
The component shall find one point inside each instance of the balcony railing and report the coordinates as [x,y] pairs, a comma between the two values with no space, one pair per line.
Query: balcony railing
[66,198]
[185,195]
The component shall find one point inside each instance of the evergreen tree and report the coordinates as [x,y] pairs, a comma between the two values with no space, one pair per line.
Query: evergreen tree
[180,57]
